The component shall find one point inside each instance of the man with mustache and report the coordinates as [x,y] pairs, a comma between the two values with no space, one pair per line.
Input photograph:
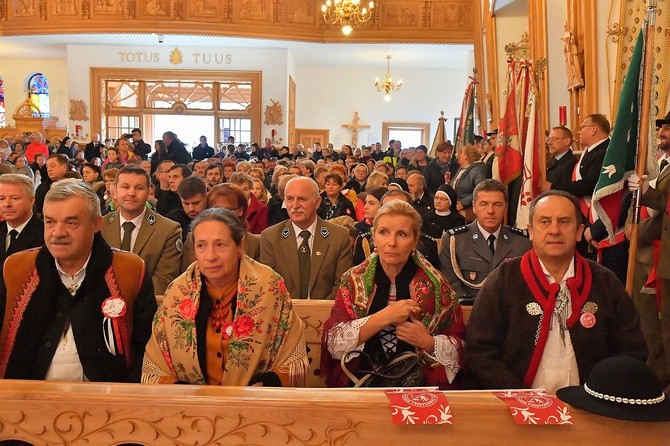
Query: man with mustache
[311,254]
[74,310]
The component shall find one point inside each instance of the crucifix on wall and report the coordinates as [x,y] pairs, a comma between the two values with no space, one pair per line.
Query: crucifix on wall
[355,126]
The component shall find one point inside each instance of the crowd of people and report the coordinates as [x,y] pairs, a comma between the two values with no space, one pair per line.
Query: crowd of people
[399,239]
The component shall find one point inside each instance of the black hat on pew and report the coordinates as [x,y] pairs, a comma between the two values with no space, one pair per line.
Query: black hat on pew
[620,387]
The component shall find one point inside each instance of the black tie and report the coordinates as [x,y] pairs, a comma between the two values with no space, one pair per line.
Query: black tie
[13,234]
[492,241]
[663,164]
[304,259]
[127,235]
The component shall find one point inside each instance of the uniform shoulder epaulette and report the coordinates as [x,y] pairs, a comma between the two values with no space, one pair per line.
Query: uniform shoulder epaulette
[519,231]
[457,230]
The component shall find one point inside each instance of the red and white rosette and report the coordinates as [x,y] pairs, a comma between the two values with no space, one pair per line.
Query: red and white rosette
[114,324]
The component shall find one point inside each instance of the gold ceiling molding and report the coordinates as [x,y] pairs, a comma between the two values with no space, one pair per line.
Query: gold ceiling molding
[435,21]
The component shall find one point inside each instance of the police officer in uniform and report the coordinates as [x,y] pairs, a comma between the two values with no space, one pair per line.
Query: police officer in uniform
[469,253]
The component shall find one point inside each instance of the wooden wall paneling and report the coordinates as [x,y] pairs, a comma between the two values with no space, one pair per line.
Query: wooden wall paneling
[205,10]
[491,56]
[291,111]
[307,137]
[300,13]
[537,24]
[587,33]
[481,73]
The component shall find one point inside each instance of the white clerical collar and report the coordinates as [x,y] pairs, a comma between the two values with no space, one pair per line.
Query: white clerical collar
[137,221]
[486,233]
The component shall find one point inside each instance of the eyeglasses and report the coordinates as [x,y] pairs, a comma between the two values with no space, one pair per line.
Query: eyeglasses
[585,126]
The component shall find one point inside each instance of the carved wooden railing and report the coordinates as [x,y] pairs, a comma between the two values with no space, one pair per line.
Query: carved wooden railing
[48,413]
[443,21]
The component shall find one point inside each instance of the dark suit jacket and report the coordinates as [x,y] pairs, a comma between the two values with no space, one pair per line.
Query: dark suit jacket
[331,257]
[589,169]
[32,236]
[559,172]
[90,151]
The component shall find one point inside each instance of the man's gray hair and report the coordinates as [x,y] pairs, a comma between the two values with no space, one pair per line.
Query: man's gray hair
[19,179]
[68,188]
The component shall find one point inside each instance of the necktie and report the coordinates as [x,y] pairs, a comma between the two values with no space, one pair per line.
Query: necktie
[13,234]
[127,234]
[663,164]
[304,259]
[492,241]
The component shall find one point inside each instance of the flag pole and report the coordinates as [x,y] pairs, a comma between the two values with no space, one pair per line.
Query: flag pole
[643,136]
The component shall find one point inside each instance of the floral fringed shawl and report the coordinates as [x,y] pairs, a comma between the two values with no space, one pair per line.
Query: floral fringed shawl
[267,334]
[441,312]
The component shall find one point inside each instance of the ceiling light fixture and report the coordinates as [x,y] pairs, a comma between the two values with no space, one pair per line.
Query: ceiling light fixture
[347,13]
[387,85]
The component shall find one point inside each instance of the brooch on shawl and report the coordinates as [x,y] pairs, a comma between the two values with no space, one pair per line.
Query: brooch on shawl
[114,324]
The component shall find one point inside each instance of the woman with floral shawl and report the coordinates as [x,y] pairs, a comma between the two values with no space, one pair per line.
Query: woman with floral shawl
[227,320]
[395,301]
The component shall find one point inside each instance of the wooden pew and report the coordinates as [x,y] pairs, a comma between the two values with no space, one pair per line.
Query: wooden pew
[50,413]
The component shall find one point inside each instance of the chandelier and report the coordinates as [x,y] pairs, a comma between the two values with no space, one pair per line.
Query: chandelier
[387,85]
[347,13]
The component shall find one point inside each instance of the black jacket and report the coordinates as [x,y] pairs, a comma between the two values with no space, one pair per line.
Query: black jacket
[32,236]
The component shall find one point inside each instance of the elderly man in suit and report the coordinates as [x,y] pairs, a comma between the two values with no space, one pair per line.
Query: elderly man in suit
[136,228]
[559,169]
[21,228]
[469,253]
[95,148]
[311,254]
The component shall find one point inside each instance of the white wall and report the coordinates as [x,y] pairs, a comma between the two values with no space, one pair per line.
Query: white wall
[15,73]
[327,97]
[508,29]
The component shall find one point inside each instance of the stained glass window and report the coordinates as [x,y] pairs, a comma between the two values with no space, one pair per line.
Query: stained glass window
[38,86]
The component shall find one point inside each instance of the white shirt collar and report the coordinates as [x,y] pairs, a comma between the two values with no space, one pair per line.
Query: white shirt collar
[568,274]
[72,282]
[487,233]
[596,144]
[20,227]
[137,221]
[311,229]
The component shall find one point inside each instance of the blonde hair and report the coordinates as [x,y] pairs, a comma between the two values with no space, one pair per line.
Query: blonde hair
[398,208]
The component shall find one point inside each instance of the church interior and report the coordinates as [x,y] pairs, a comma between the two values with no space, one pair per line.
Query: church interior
[281,69]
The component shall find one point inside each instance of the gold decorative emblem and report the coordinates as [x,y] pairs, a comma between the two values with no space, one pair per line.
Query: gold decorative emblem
[590,307]
[176,57]
[534,309]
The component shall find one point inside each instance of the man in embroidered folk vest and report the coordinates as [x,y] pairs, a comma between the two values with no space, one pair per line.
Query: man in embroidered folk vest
[469,253]
[545,319]
[74,310]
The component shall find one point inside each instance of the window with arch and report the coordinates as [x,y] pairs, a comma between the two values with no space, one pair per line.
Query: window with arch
[38,86]
[2,103]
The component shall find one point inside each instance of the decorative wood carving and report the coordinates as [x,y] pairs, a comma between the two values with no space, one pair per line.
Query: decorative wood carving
[447,15]
[273,113]
[354,127]
[438,21]
[405,14]
[78,110]
[50,413]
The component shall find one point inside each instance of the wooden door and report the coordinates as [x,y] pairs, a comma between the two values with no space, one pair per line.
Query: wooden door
[307,137]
